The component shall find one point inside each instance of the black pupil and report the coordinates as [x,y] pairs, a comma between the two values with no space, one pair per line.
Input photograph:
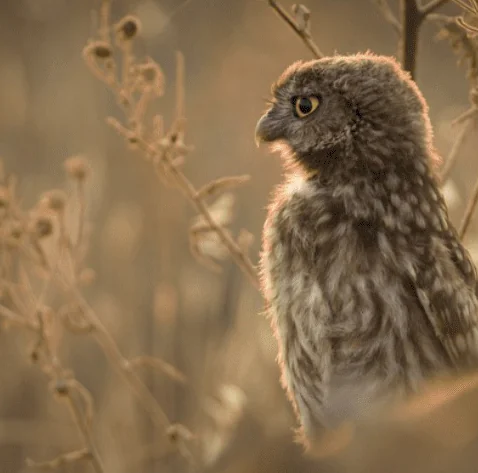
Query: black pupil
[305,105]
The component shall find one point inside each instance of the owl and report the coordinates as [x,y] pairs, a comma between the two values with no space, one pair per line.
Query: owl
[369,291]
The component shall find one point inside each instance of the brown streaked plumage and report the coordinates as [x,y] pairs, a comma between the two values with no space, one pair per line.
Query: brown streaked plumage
[368,288]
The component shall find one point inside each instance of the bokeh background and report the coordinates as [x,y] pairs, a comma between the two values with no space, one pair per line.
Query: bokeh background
[151,294]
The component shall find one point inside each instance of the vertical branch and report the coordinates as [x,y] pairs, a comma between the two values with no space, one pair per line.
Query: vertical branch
[104,27]
[411,20]
[412,17]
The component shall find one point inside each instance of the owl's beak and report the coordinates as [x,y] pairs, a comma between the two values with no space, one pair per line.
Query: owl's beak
[265,130]
[259,132]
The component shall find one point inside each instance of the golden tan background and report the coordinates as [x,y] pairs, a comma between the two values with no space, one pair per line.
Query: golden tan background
[150,293]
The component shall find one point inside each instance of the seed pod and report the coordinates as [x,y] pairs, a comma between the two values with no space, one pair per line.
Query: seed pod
[77,167]
[99,49]
[42,226]
[54,200]
[128,27]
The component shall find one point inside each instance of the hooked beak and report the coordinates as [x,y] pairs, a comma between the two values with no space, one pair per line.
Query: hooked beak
[267,130]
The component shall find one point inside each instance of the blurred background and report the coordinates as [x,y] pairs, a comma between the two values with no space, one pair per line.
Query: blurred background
[151,294]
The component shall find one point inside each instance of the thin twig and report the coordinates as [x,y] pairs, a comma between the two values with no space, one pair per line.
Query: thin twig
[16,319]
[470,113]
[180,89]
[304,34]
[455,149]
[86,434]
[120,363]
[432,6]
[159,365]
[470,9]
[81,221]
[56,373]
[189,190]
[104,28]
[60,460]
[470,208]
[388,14]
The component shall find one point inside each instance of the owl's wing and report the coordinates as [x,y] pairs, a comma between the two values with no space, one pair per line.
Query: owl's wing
[445,284]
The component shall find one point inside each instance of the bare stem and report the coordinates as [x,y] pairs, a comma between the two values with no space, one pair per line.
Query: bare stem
[456,148]
[389,15]
[411,20]
[180,77]
[86,434]
[81,218]
[470,208]
[412,17]
[470,9]
[432,6]
[190,191]
[121,364]
[52,367]
[105,12]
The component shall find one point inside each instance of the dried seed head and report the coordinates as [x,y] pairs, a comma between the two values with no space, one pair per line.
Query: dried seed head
[54,200]
[99,49]
[151,75]
[61,388]
[178,433]
[34,356]
[128,27]
[42,226]
[77,167]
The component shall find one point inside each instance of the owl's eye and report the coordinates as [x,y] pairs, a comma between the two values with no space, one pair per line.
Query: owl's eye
[304,106]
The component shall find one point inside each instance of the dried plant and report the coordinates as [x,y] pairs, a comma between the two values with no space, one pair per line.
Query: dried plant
[40,251]
[136,84]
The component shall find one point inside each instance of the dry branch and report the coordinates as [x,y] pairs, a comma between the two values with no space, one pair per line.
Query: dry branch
[300,26]
[455,150]
[160,366]
[388,15]
[62,383]
[470,209]
[61,460]
[161,155]
[412,18]
[432,6]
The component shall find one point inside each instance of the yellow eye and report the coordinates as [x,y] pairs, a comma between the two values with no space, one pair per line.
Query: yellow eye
[305,105]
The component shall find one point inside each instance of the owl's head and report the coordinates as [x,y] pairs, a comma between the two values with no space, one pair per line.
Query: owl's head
[360,110]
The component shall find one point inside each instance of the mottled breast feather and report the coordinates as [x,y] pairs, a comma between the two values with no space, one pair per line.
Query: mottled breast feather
[366,299]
